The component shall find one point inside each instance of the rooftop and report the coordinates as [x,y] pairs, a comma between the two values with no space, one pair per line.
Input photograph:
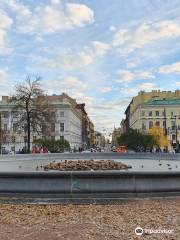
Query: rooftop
[163,102]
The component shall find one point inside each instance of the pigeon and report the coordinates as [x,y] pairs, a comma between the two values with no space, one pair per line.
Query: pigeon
[160,164]
[170,168]
[168,164]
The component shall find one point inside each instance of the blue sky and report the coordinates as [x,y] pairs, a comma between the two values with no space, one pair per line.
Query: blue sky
[99,52]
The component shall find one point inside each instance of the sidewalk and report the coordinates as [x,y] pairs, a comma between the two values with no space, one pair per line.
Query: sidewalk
[92,222]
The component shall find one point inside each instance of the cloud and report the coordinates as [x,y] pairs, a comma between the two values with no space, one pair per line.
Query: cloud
[68,84]
[128,76]
[5,24]
[131,39]
[3,76]
[112,28]
[178,84]
[55,2]
[53,18]
[146,86]
[5,87]
[99,48]
[171,68]
[105,89]
[78,60]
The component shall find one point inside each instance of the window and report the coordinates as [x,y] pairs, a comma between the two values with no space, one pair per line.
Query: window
[25,138]
[164,123]
[52,127]
[173,125]
[5,114]
[157,123]
[61,114]
[13,139]
[143,113]
[173,137]
[5,127]
[61,127]
[14,114]
[143,126]
[13,149]
[173,128]
[150,113]
[150,124]
[14,127]
[157,113]
[34,138]
[172,114]
[61,137]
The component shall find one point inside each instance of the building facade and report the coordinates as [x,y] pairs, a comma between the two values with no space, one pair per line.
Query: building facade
[156,109]
[100,140]
[68,124]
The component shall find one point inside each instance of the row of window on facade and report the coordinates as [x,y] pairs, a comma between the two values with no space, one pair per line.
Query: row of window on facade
[157,123]
[13,139]
[6,114]
[156,113]
[15,127]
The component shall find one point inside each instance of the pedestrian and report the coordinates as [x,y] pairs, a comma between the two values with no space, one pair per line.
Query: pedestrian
[35,150]
[44,150]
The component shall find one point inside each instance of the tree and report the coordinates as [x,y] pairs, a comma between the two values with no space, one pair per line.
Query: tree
[136,140]
[53,145]
[158,133]
[32,108]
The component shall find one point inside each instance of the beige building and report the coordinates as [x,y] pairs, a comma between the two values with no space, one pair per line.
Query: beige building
[100,140]
[116,133]
[68,124]
[156,108]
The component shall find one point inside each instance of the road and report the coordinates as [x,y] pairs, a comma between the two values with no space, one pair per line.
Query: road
[138,161]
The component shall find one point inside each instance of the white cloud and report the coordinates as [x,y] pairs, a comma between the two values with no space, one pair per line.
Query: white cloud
[47,19]
[3,76]
[5,87]
[69,62]
[178,84]
[130,39]
[105,89]
[55,2]
[79,60]
[171,68]
[99,48]
[68,84]
[146,86]
[5,24]
[128,76]
[112,28]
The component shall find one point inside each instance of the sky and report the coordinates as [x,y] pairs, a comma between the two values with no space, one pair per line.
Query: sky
[99,52]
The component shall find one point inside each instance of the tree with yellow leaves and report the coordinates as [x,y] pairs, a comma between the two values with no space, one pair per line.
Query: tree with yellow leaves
[158,134]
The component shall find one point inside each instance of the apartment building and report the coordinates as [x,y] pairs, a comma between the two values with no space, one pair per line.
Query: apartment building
[68,124]
[156,108]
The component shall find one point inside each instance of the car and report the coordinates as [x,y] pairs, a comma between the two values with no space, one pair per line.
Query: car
[86,151]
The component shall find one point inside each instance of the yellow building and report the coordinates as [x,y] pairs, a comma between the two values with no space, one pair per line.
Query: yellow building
[156,108]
